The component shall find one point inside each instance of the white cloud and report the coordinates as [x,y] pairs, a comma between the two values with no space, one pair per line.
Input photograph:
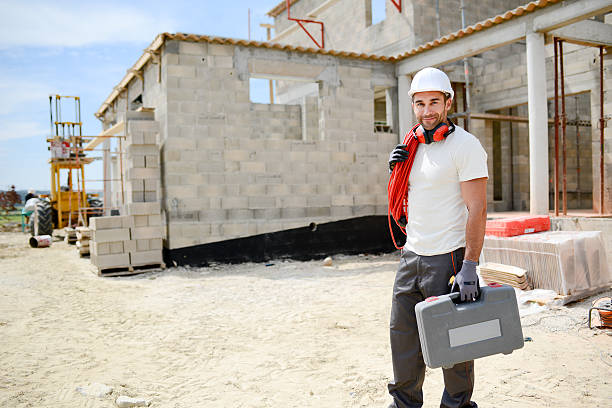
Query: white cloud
[22,130]
[17,94]
[49,24]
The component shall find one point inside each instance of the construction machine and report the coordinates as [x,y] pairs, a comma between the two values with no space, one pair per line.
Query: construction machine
[68,204]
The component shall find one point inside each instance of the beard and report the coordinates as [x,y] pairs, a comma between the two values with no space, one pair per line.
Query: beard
[432,120]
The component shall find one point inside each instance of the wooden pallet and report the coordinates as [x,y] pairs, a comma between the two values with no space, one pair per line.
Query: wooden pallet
[131,269]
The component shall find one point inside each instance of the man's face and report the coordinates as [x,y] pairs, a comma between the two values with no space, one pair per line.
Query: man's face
[430,108]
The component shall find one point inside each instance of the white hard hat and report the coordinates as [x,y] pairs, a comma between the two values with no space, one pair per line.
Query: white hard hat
[431,79]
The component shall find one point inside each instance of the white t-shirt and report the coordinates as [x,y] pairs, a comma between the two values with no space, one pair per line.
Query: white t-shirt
[437,214]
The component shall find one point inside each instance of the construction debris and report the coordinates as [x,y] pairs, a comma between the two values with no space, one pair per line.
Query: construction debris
[128,402]
[41,241]
[97,390]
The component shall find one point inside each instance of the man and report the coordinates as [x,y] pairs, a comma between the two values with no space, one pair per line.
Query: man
[31,194]
[447,206]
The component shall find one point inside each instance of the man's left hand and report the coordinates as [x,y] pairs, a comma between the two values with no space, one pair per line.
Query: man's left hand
[467,279]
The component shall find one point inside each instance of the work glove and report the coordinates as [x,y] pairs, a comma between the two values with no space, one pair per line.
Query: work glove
[467,279]
[399,154]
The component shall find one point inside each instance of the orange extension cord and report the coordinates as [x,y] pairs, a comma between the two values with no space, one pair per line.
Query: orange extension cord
[397,189]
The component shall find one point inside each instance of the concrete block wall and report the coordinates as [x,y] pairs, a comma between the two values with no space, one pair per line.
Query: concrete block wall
[424,15]
[232,168]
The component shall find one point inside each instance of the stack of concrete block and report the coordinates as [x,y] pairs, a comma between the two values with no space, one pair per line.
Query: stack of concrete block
[70,237]
[142,182]
[147,237]
[110,242]
[83,235]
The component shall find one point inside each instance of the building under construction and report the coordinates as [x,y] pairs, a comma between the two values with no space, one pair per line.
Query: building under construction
[306,174]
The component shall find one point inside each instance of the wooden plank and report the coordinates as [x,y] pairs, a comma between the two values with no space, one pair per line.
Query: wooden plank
[131,270]
[112,131]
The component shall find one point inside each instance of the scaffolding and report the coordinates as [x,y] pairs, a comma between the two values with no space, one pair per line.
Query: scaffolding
[70,202]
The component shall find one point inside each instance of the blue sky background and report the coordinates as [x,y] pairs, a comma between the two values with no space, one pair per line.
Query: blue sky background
[84,48]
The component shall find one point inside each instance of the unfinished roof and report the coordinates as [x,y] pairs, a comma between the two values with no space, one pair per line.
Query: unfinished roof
[163,37]
[493,21]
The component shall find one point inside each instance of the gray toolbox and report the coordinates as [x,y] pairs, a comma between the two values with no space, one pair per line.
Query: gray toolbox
[452,333]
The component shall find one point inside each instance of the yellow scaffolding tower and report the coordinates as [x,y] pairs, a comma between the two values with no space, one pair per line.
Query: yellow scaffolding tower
[67,154]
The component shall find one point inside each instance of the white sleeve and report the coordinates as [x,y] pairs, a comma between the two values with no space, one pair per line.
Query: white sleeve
[471,160]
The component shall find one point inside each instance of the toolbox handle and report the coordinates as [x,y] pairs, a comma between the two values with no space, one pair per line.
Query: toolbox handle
[456,297]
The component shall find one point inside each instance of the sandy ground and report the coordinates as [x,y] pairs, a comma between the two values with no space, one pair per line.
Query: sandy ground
[290,334]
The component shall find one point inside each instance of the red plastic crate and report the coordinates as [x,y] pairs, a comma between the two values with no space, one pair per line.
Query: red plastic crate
[509,227]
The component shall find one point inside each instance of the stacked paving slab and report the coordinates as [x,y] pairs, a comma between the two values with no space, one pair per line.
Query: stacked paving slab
[83,234]
[133,241]
[70,237]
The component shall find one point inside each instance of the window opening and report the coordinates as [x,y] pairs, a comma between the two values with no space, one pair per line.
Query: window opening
[259,90]
[378,11]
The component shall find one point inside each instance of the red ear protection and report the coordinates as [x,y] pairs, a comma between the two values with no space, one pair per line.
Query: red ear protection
[434,135]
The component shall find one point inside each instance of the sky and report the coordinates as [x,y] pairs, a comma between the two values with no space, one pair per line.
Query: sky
[84,48]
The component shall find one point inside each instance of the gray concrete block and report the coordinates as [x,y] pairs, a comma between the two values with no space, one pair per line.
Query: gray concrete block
[114,222]
[141,150]
[155,244]
[141,220]
[234,202]
[146,232]
[143,208]
[111,235]
[111,261]
[146,257]
[150,196]
[99,248]
[116,247]
[261,202]
[143,173]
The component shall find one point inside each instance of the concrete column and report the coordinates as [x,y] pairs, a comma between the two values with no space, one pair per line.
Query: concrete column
[304,119]
[391,105]
[406,115]
[107,175]
[538,124]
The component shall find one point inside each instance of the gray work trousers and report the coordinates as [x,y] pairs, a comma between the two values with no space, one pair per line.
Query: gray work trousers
[417,278]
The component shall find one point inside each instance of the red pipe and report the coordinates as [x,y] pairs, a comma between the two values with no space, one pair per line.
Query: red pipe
[301,20]
[465,108]
[556,130]
[398,6]
[602,123]
[563,128]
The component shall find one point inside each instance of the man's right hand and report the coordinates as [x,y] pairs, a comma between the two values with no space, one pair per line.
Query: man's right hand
[399,154]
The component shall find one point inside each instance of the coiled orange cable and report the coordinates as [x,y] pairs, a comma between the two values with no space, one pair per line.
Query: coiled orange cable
[397,188]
